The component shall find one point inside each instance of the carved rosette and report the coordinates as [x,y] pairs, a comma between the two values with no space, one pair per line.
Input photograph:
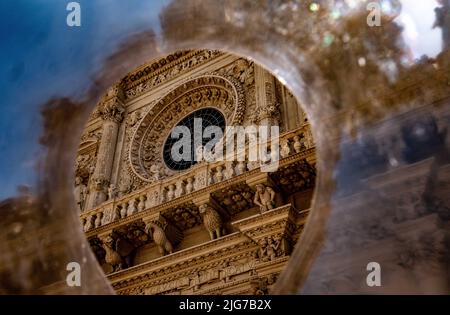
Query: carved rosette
[210,90]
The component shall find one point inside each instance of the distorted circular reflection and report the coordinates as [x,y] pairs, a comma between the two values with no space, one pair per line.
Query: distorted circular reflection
[374,85]
[202,163]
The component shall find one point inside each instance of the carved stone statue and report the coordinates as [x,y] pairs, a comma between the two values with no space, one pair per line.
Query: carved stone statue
[80,192]
[264,197]
[211,220]
[118,252]
[112,191]
[159,237]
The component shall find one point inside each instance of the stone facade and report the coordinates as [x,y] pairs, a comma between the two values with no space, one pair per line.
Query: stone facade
[215,228]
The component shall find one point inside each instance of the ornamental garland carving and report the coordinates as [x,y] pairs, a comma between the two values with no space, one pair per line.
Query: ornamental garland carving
[210,90]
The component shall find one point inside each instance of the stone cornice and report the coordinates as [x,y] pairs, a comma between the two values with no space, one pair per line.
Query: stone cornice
[155,67]
[207,256]
[143,79]
[309,154]
[229,244]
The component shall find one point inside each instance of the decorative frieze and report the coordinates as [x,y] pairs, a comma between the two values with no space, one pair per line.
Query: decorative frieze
[170,71]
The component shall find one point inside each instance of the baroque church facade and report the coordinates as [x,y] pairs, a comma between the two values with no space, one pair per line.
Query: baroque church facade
[158,226]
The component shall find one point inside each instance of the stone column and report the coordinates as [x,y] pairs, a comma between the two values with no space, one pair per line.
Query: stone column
[111,109]
[267,107]
[267,115]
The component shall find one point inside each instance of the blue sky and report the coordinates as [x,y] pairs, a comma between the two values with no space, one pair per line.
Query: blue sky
[41,57]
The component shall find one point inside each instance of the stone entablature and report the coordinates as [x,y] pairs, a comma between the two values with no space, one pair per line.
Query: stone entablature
[202,177]
[238,257]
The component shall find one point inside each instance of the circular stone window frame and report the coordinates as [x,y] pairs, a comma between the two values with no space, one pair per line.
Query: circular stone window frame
[178,123]
[150,118]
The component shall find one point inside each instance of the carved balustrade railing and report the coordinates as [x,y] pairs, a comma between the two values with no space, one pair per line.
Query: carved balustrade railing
[187,185]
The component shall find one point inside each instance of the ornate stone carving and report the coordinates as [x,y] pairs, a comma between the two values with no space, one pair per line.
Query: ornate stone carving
[170,194]
[111,107]
[117,252]
[264,197]
[89,223]
[241,168]
[285,148]
[84,166]
[132,207]
[157,78]
[189,185]
[184,216]
[230,269]
[112,191]
[298,177]
[179,191]
[99,188]
[165,207]
[212,221]
[299,143]
[229,170]
[159,237]
[134,118]
[200,180]
[199,278]
[210,90]
[235,198]
[141,204]
[157,172]
[260,286]
[112,214]
[80,193]
[272,247]
[152,199]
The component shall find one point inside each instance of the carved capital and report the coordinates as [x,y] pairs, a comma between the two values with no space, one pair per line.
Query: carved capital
[111,107]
